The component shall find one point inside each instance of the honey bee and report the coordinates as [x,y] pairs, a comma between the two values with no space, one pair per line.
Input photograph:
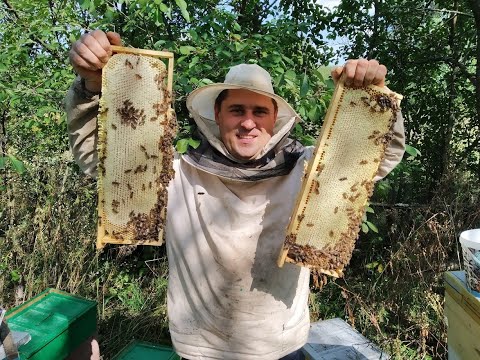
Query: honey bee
[128,64]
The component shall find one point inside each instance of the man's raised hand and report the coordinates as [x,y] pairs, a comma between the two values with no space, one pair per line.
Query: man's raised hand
[361,72]
[89,55]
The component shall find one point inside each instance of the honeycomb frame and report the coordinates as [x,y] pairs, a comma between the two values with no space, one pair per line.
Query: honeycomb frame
[136,130]
[338,180]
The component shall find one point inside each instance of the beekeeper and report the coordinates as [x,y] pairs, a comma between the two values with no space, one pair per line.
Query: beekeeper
[229,205]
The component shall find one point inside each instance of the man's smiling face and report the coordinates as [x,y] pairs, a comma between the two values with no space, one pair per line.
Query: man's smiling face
[246,120]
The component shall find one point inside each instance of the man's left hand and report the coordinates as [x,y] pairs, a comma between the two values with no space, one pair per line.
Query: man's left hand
[361,72]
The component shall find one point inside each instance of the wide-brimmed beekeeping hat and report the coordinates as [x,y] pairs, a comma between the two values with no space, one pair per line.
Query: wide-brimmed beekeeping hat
[201,103]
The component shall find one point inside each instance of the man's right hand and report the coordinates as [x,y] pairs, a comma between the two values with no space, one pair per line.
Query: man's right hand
[90,54]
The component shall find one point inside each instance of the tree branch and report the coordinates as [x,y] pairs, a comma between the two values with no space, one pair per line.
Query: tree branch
[33,38]
[452,62]
[454,12]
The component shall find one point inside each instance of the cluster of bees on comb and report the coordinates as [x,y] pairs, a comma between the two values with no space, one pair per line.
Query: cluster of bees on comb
[330,255]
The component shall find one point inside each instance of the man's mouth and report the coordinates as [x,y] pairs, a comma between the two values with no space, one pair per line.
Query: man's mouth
[246,139]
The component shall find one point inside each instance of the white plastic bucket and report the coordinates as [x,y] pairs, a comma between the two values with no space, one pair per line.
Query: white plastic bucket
[470,241]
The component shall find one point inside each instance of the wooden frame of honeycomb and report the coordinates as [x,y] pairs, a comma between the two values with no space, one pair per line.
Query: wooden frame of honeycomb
[338,180]
[136,129]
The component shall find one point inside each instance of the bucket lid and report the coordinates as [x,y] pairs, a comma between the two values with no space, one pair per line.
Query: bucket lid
[470,238]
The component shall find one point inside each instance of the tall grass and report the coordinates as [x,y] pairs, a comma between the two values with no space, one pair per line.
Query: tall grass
[47,239]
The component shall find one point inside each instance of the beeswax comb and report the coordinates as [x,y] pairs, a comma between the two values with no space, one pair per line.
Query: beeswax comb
[338,181]
[136,127]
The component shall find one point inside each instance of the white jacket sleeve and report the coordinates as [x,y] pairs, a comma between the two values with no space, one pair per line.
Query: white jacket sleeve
[395,149]
[82,111]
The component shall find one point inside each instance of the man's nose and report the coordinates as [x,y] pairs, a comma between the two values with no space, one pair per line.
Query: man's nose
[248,123]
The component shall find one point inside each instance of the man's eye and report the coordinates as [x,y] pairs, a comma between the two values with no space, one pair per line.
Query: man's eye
[261,112]
[237,111]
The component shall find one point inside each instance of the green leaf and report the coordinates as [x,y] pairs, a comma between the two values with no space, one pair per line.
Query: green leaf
[364,228]
[182,146]
[330,84]
[410,150]
[17,164]
[239,46]
[164,8]
[305,86]
[236,26]
[186,50]
[183,8]
[14,275]
[193,62]
[290,74]
[308,140]
[369,210]
[194,143]
[372,226]
[314,114]
[44,110]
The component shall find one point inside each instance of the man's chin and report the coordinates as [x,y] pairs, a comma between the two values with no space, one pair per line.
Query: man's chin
[245,156]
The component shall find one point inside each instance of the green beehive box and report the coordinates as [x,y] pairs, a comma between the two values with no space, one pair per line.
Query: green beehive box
[139,350]
[58,323]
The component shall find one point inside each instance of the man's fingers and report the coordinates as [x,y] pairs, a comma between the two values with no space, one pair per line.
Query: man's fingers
[360,72]
[114,38]
[103,41]
[380,76]
[98,47]
[370,73]
[349,70]
[336,73]
[88,57]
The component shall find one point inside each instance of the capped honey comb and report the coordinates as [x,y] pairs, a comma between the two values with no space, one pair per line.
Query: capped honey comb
[136,127]
[338,180]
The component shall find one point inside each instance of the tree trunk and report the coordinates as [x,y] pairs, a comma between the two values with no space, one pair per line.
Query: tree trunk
[451,97]
[475,6]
